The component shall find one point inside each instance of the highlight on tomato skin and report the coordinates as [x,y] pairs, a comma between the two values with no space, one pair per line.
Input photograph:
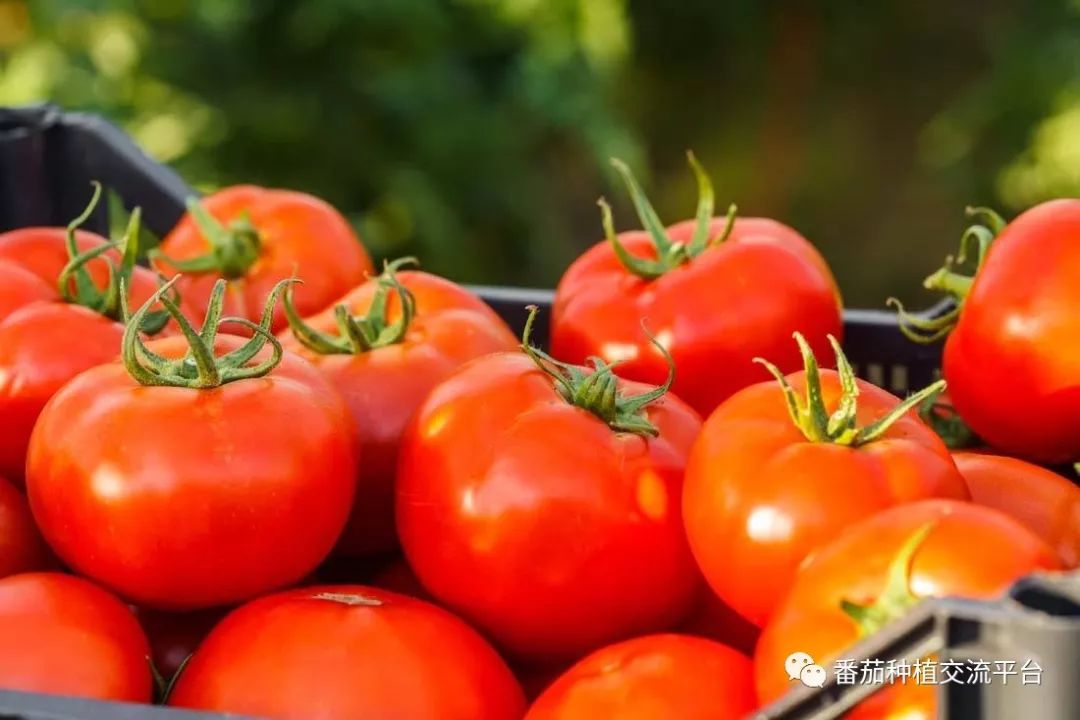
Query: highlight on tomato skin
[73,639]
[347,651]
[717,291]
[773,476]
[655,676]
[877,570]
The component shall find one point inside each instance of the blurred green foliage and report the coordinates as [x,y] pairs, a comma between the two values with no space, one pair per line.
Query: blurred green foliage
[476,133]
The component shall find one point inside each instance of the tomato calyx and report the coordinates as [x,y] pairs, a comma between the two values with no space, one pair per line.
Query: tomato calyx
[596,389]
[977,240]
[896,599]
[669,254]
[841,427]
[351,599]
[199,368]
[78,288]
[359,334]
[944,420]
[234,248]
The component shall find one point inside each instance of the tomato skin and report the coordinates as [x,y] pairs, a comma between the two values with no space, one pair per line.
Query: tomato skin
[295,656]
[73,638]
[499,473]
[655,676]
[43,251]
[19,287]
[300,235]
[21,547]
[759,497]
[971,551]
[385,385]
[211,497]
[739,300]
[1012,359]
[1043,501]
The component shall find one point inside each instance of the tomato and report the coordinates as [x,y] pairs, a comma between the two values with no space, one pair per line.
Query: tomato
[713,618]
[1045,502]
[386,371]
[772,477]
[716,293]
[19,286]
[540,501]
[879,568]
[66,636]
[1010,357]
[217,479]
[656,676]
[21,548]
[47,342]
[255,237]
[348,651]
[175,636]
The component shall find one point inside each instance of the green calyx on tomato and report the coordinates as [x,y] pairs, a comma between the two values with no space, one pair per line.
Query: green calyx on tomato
[943,419]
[78,288]
[669,254]
[359,334]
[947,280]
[200,368]
[351,599]
[234,248]
[597,390]
[841,427]
[897,598]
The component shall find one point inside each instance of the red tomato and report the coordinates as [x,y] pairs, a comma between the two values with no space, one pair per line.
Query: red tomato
[1009,357]
[175,636]
[254,238]
[212,490]
[64,636]
[44,344]
[656,676]
[714,309]
[771,478]
[348,651]
[19,286]
[714,619]
[933,548]
[21,548]
[385,379]
[534,519]
[1045,502]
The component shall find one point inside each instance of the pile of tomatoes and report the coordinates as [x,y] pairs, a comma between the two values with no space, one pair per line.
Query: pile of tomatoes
[245,472]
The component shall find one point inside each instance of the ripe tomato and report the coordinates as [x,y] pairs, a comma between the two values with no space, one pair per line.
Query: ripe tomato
[540,501]
[716,297]
[44,252]
[387,369]
[347,651]
[175,636]
[21,548]
[656,676]
[875,571]
[1009,356]
[19,286]
[1045,502]
[217,479]
[66,636]
[771,478]
[254,238]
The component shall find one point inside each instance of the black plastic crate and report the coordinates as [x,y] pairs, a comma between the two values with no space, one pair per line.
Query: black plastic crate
[48,159]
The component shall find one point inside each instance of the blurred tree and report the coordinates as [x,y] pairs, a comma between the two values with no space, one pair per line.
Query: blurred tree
[475,133]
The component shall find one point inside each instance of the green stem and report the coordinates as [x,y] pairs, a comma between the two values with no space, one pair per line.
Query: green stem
[669,254]
[200,368]
[947,423]
[841,427]
[360,333]
[596,389]
[233,248]
[896,598]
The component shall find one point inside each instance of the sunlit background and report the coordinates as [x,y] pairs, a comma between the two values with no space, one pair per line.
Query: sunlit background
[476,133]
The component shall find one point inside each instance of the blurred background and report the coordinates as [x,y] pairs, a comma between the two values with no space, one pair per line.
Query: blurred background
[476,133]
